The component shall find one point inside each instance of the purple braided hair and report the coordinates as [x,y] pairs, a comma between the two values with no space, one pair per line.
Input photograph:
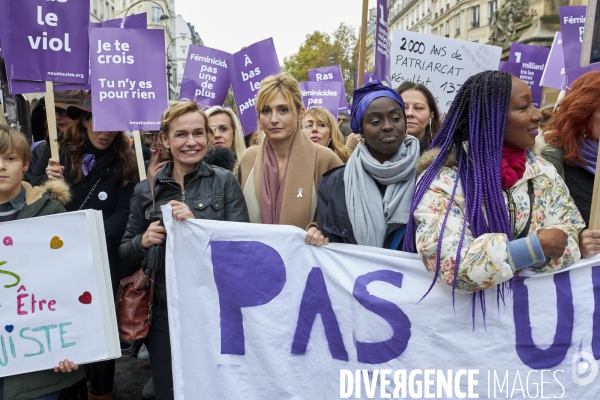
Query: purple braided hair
[478,115]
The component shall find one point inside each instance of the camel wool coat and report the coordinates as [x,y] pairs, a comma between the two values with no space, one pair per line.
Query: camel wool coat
[307,164]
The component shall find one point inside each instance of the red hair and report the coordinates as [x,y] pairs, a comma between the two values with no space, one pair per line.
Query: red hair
[573,117]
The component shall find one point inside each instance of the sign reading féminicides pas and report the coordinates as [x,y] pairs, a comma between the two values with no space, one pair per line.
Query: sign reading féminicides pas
[247,68]
[205,77]
[129,81]
[47,40]
[330,74]
[439,63]
[322,94]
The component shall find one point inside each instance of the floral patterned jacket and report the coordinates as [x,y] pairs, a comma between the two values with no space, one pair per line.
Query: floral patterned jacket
[484,259]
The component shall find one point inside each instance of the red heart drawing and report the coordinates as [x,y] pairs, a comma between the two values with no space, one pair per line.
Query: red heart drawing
[85,298]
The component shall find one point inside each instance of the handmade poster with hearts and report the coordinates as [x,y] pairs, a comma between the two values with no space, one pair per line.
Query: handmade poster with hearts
[56,299]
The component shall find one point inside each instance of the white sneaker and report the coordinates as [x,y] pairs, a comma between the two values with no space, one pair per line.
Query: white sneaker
[143,353]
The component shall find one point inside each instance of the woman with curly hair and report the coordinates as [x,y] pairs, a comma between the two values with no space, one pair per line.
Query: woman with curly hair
[101,170]
[486,207]
[322,129]
[572,146]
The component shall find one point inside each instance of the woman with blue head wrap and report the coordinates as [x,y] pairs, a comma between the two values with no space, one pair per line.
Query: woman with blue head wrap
[367,201]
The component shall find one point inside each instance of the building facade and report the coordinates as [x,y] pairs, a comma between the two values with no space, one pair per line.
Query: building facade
[102,10]
[161,15]
[185,36]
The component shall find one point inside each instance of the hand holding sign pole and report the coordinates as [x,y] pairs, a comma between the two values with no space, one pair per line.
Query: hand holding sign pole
[595,209]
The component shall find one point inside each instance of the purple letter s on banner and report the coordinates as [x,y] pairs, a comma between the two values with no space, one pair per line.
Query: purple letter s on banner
[247,274]
[381,352]
[528,352]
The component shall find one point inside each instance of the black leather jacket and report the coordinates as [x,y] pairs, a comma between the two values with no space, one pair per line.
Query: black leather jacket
[210,192]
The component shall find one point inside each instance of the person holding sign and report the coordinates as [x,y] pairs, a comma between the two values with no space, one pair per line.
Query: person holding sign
[422,115]
[19,200]
[486,206]
[322,129]
[194,189]
[101,170]
[572,137]
[227,132]
[349,210]
[280,176]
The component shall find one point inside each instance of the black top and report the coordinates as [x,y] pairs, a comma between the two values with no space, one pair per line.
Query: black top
[581,185]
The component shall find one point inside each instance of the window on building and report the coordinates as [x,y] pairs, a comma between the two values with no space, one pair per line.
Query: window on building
[434,32]
[183,49]
[457,23]
[124,4]
[475,17]
[182,66]
[95,6]
[156,14]
[448,28]
[492,7]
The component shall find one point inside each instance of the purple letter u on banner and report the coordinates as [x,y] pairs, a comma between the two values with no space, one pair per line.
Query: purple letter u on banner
[528,352]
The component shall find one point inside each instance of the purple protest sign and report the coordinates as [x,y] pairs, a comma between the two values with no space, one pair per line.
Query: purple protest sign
[322,94]
[368,77]
[4,25]
[382,42]
[129,81]
[554,73]
[572,21]
[533,60]
[334,74]
[247,68]
[206,77]
[513,68]
[53,33]
[15,86]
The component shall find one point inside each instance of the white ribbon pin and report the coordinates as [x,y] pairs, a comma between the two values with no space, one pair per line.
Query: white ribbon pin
[299,193]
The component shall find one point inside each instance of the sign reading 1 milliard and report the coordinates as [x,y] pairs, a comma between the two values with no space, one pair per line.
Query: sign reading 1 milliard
[129,81]
[247,68]
[205,77]
[439,63]
[53,33]
[533,60]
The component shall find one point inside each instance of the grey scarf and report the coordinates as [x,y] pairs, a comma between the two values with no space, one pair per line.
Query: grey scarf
[368,216]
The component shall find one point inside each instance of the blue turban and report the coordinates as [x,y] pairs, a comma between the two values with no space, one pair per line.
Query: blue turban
[363,96]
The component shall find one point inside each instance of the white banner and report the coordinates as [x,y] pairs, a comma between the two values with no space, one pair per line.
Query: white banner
[255,313]
[56,299]
[440,63]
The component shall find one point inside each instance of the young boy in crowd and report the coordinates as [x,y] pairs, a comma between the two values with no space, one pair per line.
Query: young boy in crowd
[19,200]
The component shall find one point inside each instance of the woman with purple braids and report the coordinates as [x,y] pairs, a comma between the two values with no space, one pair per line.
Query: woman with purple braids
[486,207]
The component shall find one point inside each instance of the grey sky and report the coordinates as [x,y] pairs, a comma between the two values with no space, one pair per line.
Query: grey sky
[229,25]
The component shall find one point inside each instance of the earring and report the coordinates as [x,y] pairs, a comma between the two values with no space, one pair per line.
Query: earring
[429,123]
[168,149]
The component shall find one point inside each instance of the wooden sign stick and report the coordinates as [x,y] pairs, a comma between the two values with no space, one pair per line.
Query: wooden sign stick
[362,51]
[137,141]
[595,210]
[2,117]
[51,118]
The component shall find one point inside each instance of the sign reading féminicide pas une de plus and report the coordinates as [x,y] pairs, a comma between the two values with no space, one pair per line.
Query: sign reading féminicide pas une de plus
[247,68]
[205,77]
[129,81]
[48,40]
